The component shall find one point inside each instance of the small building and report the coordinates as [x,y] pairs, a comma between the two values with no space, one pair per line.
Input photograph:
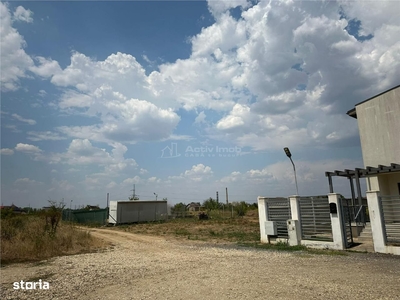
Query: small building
[193,206]
[122,211]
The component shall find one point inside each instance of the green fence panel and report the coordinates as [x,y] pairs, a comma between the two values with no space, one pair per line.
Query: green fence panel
[98,216]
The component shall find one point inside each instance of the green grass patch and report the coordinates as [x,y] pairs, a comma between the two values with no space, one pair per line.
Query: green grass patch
[217,229]
[182,231]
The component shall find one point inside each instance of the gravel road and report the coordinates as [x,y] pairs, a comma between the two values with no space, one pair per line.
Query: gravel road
[148,267]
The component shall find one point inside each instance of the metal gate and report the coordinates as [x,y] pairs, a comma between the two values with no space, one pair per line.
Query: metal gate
[315,219]
[346,221]
[391,218]
[279,211]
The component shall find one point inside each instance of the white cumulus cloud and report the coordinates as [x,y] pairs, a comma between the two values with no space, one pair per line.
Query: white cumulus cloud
[14,60]
[22,14]
[27,148]
[7,151]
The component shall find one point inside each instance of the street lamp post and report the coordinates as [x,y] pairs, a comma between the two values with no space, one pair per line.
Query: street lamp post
[288,154]
[156,196]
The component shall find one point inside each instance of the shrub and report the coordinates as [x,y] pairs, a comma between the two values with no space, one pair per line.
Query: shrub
[241,208]
[53,216]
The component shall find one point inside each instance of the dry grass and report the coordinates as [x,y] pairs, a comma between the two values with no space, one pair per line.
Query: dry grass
[219,229]
[23,238]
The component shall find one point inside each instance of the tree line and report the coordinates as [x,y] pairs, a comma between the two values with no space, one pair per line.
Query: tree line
[211,204]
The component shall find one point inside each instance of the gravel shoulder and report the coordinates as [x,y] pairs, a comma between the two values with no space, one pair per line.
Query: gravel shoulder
[149,267]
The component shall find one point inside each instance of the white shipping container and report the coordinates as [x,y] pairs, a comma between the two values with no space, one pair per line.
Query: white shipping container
[137,211]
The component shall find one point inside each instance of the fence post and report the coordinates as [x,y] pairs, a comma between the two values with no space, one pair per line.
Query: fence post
[337,220]
[294,225]
[377,221]
[263,217]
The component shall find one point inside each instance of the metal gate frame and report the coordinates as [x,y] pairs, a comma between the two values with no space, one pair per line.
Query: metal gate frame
[346,222]
[279,211]
[315,218]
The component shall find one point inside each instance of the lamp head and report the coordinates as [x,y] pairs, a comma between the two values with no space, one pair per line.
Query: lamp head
[287,151]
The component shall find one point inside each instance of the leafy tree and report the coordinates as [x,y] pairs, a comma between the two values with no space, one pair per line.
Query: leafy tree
[179,207]
[253,206]
[211,204]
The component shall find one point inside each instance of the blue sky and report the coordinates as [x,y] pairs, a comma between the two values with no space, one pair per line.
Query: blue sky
[92,92]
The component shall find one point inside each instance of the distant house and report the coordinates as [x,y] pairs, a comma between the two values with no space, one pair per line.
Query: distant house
[193,206]
[13,208]
[92,207]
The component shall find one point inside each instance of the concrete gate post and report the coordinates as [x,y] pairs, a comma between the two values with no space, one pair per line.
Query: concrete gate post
[294,225]
[337,221]
[263,217]
[377,221]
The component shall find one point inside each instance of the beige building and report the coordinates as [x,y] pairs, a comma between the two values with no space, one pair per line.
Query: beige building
[379,125]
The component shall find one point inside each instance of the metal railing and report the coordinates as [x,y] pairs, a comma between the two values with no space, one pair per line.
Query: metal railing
[315,218]
[391,216]
[358,214]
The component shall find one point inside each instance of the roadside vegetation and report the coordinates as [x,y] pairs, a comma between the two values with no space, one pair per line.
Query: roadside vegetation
[41,235]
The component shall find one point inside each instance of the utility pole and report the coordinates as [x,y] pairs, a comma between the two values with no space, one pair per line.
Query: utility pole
[226,191]
[134,196]
[108,197]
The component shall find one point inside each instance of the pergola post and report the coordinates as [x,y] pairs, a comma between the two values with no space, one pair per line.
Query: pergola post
[359,192]
[330,183]
[353,197]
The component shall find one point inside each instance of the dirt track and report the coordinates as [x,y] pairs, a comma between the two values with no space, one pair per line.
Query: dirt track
[148,267]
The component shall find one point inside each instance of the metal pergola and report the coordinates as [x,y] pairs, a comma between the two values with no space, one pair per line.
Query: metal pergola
[358,173]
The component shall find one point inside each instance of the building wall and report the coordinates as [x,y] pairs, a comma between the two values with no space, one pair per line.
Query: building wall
[379,126]
[137,211]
